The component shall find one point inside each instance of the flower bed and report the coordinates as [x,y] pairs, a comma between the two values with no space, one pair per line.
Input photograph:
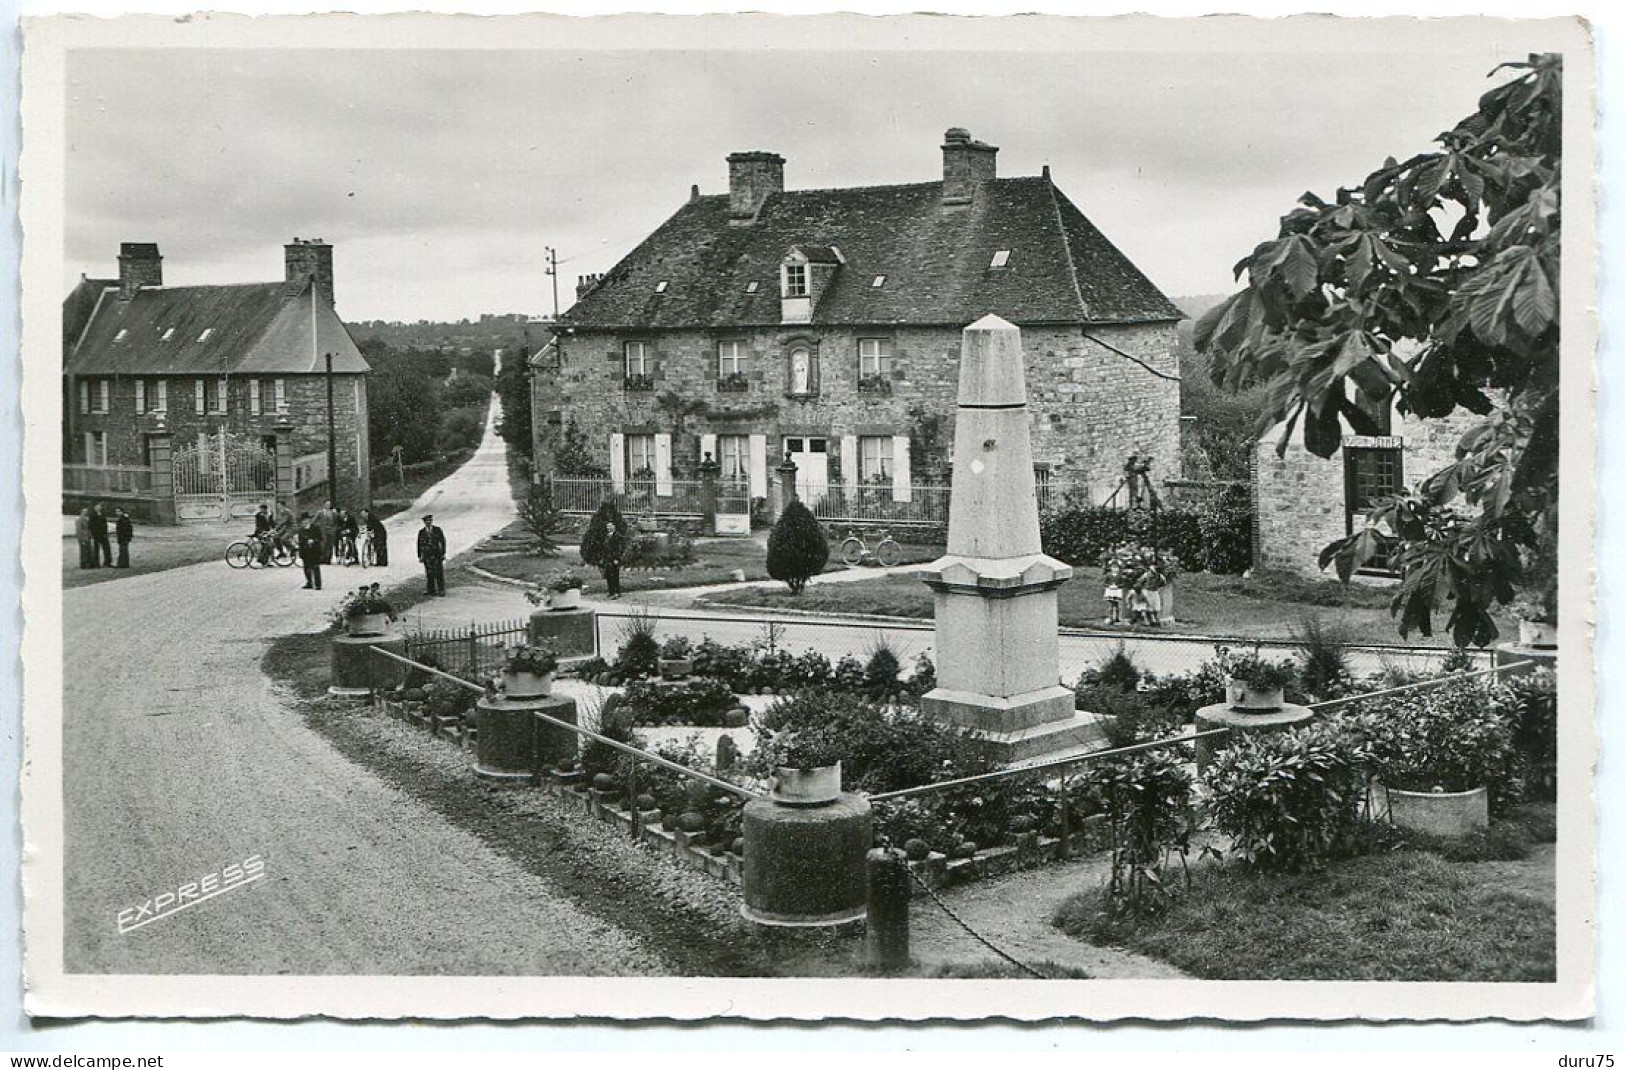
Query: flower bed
[702,703]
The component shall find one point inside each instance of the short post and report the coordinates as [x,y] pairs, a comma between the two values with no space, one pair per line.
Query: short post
[1066,820]
[784,486]
[709,470]
[885,942]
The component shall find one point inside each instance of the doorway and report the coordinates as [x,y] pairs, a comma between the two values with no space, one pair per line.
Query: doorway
[811,458]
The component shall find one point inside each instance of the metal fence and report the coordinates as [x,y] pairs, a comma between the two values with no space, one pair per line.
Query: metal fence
[648,497]
[473,653]
[1079,648]
[112,479]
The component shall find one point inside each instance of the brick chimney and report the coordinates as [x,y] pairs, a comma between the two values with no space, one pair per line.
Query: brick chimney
[139,264]
[585,283]
[752,177]
[965,163]
[308,258]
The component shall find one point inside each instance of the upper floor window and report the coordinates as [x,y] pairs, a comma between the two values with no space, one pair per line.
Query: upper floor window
[795,280]
[253,397]
[158,396]
[218,408]
[874,357]
[637,359]
[279,390]
[730,359]
[99,397]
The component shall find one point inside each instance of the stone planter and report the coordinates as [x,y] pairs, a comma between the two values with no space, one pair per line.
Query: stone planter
[807,787]
[1450,814]
[527,684]
[570,599]
[367,624]
[1244,696]
[676,668]
[1539,634]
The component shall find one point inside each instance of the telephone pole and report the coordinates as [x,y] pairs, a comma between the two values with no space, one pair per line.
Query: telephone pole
[553,270]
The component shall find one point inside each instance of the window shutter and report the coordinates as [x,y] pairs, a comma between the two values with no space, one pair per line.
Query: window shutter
[663,465]
[84,396]
[253,397]
[851,465]
[102,389]
[90,457]
[140,396]
[617,461]
[758,466]
[708,447]
[197,396]
[901,488]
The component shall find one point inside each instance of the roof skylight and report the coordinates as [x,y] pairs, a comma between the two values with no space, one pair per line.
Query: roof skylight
[170,333]
[122,331]
[660,287]
[880,280]
[204,337]
[752,287]
[1001,258]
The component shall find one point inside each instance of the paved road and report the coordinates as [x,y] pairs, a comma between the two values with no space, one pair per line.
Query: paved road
[180,761]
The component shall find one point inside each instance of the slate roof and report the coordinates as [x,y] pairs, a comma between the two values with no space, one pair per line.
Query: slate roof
[936,262]
[78,306]
[253,328]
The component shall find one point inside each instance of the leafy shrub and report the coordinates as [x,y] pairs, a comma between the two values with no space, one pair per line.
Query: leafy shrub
[797,549]
[1147,804]
[1532,702]
[700,702]
[725,662]
[881,671]
[924,676]
[1455,737]
[1187,692]
[1323,663]
[1289,800]
[658,549]
[849,674]
[442,698]
[614,722]
[1217,538]
[598,546]
[1131,718]
[640,651]
[1227,533]
[1117,673]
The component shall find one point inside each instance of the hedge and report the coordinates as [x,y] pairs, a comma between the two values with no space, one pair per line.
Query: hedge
[1216,538]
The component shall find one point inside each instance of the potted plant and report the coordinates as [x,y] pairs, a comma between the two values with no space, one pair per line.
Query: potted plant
[363,611]
[806,767]
[676,657]
[528,672]
[1255,682]
[564,590]
[1537,623]
[1443,757]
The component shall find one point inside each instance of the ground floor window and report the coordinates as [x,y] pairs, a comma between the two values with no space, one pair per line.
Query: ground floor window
[733,453]
[96,448]
[640,456]
[1371,474]
[875,458]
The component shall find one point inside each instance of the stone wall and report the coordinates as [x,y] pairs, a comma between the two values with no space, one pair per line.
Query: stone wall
[299,430]
[1090,406]
[1300,497]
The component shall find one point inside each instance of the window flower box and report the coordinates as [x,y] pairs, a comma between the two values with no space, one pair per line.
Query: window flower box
[733,383]
[874,385]
[640,383]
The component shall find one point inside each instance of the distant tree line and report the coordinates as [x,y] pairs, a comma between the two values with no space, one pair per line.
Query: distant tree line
[417,403]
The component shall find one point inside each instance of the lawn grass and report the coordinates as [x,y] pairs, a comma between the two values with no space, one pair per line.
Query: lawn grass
[716,560]
[1263,606]
[1407,915]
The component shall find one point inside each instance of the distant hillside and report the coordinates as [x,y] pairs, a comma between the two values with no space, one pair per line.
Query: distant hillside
[490,331]
[1194,306]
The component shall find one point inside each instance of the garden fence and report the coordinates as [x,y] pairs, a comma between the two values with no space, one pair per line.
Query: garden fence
[473,653]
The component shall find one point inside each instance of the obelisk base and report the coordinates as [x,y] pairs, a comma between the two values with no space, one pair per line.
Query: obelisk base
[1018,728]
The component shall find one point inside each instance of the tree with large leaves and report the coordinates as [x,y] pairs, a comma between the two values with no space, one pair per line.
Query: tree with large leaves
[1432,285]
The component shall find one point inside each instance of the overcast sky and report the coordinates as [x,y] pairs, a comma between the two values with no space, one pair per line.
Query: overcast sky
[440,177]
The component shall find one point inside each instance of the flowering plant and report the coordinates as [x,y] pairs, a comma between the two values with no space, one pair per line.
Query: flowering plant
[1254,670]
[539,659]
[564,581]
[361,602]
[1134,560]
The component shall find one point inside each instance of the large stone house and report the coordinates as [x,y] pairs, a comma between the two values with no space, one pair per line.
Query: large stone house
[824,326]
[195,402]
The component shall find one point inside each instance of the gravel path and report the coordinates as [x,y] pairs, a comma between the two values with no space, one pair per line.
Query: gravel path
[179,760]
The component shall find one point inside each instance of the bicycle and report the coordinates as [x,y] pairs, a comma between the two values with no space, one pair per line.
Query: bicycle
[369,555]
[258,551]
[344,551]
[854,551]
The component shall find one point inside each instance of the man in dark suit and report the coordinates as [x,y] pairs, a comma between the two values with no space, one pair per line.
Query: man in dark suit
[432,552]
[311,546]
[98,536]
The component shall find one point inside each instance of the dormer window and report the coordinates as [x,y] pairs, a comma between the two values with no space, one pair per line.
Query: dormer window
[1000,258]
[795,280]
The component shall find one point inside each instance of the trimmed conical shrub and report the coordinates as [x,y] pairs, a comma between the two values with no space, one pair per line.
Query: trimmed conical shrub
[598,547]
[796,548]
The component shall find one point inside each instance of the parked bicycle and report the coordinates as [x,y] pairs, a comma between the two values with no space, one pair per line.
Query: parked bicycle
[344,550]
[855,551]
[259,551]
[369,554]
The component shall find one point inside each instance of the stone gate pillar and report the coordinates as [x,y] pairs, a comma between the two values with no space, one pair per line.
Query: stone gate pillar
[709,470]
[784,487]
[163,479]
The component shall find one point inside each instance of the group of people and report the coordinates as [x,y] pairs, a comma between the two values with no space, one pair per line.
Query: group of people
[339,529]
[1139,596]
[91,530]
[315,542]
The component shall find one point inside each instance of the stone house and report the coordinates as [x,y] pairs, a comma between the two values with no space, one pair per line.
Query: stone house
[196,402]
[1303,502]
[824,326]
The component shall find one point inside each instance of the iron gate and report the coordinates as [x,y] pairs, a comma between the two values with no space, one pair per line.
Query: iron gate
[222,476]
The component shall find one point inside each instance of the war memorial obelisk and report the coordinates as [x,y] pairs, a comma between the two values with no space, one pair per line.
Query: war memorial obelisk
[998,663]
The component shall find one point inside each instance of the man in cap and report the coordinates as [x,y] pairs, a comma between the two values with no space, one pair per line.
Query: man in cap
[432,552]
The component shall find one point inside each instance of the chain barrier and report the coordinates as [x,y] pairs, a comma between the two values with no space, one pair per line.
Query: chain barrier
[978,937]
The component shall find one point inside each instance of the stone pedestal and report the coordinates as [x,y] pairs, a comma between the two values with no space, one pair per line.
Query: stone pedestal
[806,865]
[1544,657]
[512,743]
[357,671]
[572,633]
[1223,715]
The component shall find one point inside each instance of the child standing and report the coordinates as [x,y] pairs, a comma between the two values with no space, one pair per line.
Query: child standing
[1114,596]
[1138,608]
[1152,584]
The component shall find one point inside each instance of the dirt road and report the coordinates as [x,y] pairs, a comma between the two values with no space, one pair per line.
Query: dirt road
[180,761]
